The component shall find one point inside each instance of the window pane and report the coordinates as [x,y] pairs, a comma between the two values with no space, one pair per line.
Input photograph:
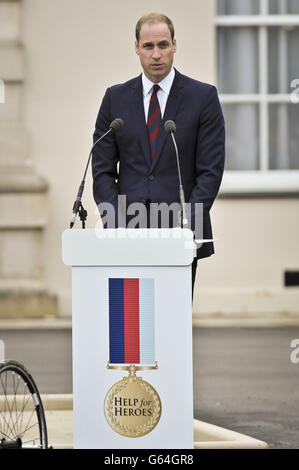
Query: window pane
[238,7]
[284,6]
[242,136]
[284,136]
[237,60]
[283,58]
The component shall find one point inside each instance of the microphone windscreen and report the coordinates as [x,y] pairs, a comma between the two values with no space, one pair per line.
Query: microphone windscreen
[170,126]
[116,124]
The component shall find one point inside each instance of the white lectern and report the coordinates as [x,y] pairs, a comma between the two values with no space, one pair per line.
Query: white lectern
[131,391]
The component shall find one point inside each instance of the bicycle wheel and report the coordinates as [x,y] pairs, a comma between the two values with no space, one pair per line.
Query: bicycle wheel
[22,417]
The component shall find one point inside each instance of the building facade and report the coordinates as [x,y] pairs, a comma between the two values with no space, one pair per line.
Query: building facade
[58,58]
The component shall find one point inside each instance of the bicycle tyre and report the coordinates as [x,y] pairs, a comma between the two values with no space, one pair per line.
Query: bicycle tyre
[22,414]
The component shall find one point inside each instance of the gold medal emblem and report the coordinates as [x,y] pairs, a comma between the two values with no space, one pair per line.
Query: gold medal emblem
[132,405]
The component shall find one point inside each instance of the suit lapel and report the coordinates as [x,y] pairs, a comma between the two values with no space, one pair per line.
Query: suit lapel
[138,118]
[174,99]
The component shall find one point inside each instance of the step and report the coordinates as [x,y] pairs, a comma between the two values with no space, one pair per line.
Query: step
[59,416]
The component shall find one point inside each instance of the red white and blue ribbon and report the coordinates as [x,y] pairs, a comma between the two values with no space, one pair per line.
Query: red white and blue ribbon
[131,321]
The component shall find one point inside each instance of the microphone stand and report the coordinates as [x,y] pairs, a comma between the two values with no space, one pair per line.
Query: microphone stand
[183,221]
[78,207]
[115,125]
[82,215]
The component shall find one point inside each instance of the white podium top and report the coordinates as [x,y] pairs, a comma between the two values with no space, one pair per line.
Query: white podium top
[128,247]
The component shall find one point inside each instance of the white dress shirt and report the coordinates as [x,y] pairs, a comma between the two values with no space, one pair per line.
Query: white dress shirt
[162,95]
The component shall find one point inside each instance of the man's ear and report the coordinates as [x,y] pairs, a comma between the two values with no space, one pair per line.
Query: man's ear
[174,44]
[137,47]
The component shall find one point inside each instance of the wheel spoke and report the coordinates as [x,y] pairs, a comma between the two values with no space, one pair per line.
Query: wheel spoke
[29,427]
[28,422]
[5,435]
[6,405]
[31,440]
[21,413]
[15,397]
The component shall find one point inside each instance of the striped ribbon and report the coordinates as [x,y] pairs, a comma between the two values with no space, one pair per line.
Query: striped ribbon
[131,321]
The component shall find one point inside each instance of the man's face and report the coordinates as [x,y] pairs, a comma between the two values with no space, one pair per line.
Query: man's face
[155,49]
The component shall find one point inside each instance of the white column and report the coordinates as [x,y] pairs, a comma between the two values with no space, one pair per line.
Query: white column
[283,86]
[23,194]
[263,85]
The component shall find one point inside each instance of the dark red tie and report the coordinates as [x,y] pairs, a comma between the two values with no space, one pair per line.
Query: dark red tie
[154,120]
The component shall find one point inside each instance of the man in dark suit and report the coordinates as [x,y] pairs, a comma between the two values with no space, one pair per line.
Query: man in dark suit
[147,171]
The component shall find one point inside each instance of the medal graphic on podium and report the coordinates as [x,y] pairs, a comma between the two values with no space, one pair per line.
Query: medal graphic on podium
[132,406]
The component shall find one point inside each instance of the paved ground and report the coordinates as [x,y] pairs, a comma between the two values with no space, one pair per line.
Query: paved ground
[244,379]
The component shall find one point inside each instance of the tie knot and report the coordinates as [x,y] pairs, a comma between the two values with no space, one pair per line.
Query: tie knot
[156,88]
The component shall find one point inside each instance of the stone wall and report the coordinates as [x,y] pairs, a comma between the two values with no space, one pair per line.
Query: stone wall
[23,193]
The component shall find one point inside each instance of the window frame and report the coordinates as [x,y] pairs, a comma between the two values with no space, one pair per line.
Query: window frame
[263,181]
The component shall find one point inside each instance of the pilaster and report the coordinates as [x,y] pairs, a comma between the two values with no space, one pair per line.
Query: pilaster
[23,193]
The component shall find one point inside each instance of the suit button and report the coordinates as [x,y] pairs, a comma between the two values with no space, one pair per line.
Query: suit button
[151,177]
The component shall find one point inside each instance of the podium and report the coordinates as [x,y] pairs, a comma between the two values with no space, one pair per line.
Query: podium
[131,391]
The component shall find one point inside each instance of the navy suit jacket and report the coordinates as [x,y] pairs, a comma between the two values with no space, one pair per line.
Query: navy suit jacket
[194,107]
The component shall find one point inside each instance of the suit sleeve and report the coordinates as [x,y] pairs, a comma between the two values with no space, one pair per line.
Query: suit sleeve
[105,157]
[210,153]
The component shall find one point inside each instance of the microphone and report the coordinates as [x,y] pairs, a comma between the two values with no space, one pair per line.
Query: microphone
[114,126]
[170,127]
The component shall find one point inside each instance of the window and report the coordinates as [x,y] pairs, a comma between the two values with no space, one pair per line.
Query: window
[258,70]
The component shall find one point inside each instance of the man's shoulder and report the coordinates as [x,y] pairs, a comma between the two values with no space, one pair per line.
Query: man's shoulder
[193,83]
[120,87]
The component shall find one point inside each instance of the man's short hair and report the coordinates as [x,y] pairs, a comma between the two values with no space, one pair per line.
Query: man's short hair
[152,18]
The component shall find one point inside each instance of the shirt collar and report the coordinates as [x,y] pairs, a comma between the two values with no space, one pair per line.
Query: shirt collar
[165,84]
